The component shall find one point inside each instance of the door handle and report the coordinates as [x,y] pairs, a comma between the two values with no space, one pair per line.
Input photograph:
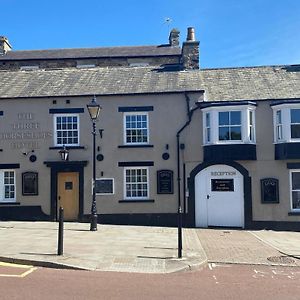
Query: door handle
[207,196]
[58,197]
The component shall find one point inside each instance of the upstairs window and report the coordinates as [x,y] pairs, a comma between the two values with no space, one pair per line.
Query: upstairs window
[286,119]
[136,128]
[66,130]
[234,124]
[295,123]
[230,126]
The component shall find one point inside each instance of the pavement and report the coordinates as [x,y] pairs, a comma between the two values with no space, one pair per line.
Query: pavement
[143,249]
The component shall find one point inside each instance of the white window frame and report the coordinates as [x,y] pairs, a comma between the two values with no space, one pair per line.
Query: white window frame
[113,185]
[2,186]
[207,132]
[125,128]
[125,183]
[291,190]
[230,126]
[245,124]
[278,125]
[285,121]
[55,116]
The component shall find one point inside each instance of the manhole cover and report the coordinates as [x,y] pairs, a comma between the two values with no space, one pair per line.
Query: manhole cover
[281,259]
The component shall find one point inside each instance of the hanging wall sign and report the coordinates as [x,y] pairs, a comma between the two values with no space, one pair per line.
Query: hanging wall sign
[165,182]
[29,184]
[269,190]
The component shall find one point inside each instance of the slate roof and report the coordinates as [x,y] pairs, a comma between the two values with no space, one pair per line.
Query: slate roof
[252,83]
[229,84]
[133,51]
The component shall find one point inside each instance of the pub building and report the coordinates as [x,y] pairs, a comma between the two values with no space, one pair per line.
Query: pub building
[223,144]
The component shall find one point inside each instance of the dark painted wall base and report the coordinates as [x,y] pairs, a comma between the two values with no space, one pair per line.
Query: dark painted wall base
[23,213]
[278,226]
[35,213]
[165,220]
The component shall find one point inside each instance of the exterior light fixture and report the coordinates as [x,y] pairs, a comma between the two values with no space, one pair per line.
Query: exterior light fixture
[94,109]
[64,153]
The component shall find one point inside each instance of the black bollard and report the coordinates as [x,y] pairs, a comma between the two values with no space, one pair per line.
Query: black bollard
[179,232]
[60,247]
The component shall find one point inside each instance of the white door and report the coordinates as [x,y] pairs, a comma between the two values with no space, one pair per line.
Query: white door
[219,197]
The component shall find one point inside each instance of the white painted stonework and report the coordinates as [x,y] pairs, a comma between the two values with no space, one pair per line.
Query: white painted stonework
[219,207]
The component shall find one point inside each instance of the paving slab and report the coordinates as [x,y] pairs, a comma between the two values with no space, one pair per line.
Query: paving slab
[240,247]
[111,248]
[286,242]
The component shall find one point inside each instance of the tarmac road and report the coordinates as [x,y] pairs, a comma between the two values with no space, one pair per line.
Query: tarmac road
[216,281]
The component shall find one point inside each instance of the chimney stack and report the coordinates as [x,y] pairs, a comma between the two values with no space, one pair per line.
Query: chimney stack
[4,45]
[190,51]
[174,37]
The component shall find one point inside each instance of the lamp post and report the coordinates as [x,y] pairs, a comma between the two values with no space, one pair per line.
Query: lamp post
[94,110]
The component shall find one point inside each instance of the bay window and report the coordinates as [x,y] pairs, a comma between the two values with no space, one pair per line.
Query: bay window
[229,124]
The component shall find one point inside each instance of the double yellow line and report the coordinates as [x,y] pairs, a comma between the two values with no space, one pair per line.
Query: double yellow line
[29,270]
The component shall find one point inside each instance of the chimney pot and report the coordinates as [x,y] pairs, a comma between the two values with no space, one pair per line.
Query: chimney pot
[190,34]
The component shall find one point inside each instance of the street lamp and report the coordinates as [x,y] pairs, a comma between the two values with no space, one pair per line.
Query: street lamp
[94,110]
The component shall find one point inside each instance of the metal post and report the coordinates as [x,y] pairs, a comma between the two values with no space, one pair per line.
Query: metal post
[179,212]
[180,232]
[94,217]
[60,247]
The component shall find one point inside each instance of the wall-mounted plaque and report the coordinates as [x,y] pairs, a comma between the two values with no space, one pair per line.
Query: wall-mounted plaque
[222,185]
[30,184]
[165,182]
[269,190]
[104,186]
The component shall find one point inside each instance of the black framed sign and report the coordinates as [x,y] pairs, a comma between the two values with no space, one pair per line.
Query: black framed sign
[222,185]
[30,184]
[104,186]
[269,190]
[165,182]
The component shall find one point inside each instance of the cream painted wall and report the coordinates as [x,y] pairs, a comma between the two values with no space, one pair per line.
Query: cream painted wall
[264,166]
[168,116]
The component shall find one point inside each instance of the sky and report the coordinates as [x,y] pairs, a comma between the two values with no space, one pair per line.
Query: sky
[232,33]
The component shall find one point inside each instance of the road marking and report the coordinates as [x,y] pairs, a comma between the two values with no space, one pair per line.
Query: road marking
[215,278]
[11,265]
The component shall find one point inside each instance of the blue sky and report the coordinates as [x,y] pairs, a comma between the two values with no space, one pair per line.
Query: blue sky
[231,32]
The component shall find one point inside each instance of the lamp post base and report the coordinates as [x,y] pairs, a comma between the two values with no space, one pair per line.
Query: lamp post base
[93,223]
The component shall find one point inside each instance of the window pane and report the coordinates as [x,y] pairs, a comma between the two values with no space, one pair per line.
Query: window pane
[224,133]
[295,131]
[250,117]
[235,118]
[296,200]
[278,117]
[224,118]
[236,133]
[296,181]
[295,115]
[207,120]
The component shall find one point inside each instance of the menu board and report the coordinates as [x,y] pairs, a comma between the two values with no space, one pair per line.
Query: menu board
[165,182]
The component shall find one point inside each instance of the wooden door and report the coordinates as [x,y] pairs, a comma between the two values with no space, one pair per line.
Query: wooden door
[68,194]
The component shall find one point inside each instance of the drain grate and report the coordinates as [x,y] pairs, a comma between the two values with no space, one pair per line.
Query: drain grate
[281,259]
